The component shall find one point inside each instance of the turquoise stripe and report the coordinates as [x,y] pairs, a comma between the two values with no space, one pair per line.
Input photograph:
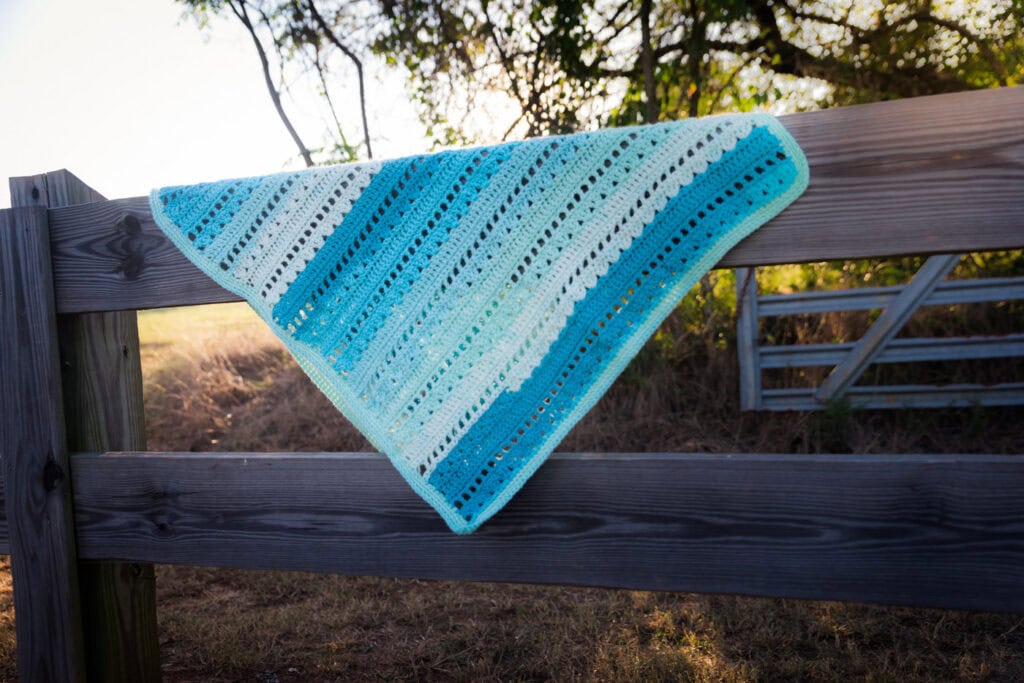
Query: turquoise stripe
[586,196]
[457,299]
[409,272]
[479,468]
[265,200]
[202,211]
[367,280]
[349,249]
[508,283]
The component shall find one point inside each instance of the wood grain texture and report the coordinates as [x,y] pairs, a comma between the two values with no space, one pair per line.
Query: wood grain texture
[50,190]
[927,175]
[103,410]
[903,177]
[35,465]
[102,381]
[119,608]
[941,531]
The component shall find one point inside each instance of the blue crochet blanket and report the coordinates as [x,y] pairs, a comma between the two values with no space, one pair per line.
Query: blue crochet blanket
[465,309]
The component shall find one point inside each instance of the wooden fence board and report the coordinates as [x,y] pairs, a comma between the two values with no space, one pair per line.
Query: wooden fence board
[901,178]
[35,464]
[933,530]
[102,388]
[925,175]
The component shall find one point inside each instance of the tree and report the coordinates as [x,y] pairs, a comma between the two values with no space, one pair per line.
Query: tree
[302,35]
[562,65]
[571,63]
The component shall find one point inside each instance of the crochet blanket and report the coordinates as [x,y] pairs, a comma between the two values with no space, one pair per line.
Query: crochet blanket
[465,309]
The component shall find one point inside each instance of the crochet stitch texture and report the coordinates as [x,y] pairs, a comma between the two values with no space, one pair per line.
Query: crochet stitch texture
[465,309]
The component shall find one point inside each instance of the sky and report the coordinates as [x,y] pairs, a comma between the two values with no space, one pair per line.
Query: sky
[128,96]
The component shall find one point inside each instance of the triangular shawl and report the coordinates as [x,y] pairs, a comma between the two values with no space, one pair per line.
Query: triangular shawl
[465,309]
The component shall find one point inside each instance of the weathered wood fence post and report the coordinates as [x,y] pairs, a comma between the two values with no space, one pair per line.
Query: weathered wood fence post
[101,383]
[37,489]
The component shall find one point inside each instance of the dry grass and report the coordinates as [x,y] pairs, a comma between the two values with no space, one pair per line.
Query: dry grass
[217,380]
[233,625]
[230,385]
[8,649]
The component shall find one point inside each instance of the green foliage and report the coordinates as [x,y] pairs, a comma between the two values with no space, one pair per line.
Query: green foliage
[565,65]
[829,430]
[554,66]
[880,272]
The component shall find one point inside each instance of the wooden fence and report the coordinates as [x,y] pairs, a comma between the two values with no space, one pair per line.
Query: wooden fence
[87,510]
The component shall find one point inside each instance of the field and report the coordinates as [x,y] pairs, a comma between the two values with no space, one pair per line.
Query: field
[215,379]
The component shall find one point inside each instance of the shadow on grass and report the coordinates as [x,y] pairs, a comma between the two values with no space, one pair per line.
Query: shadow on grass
[233,625]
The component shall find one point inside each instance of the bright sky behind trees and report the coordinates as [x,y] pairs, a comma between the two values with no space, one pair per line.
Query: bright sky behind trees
[128,96]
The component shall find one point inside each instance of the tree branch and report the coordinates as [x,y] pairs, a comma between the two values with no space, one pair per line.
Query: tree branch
[507,63]
[983,46]
[647,62]
[863,36]
[695,60]
[329,33]
[781,56]
[330,102]
[238,8]
[728,83]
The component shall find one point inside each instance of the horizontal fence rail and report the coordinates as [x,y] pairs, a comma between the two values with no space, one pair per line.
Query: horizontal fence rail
[901,396]
[925,175]
[946,293]
[936,530]
[904,350]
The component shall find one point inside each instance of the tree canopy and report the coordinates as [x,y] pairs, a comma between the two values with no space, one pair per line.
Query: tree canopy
[553,66]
